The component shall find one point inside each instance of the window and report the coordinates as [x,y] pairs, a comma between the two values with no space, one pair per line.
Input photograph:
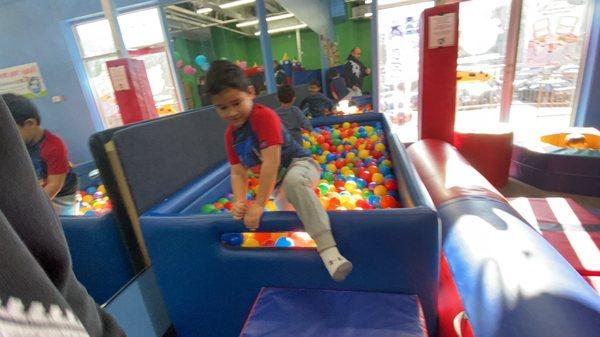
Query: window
[549,58]
[398,49]
[144,39]
[483,28]
[549,51]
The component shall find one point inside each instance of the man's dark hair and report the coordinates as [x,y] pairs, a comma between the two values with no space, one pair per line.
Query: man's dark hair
[21,108]
[225,75]
[333,73]
[315,82]
[286,94]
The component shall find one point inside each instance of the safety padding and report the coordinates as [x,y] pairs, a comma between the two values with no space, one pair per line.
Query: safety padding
[511,281]
[164,155]
[309,312]
[100,260]
[446,174]
[489,152]
[272,102]
[556,169]
[209,288]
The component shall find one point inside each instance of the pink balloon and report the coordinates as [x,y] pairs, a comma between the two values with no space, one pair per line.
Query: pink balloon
[179,64]
[189,70]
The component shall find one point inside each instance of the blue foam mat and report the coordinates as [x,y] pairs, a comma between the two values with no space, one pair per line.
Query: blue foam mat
[310,312]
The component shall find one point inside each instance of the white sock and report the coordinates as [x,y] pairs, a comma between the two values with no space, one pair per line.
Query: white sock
[337,265]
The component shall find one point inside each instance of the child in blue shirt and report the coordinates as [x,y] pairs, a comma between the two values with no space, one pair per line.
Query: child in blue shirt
[293,119]
[316,104]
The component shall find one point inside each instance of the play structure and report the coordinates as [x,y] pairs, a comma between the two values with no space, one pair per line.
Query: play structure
[449,257]
[567,162]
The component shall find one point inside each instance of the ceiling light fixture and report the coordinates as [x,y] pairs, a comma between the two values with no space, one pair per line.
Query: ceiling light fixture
[269,19]
[368,2]
[236,3]
[283,29]
[204,10]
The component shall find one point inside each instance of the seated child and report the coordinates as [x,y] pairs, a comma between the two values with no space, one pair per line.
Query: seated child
[338,88]
[255,137]
[293,119]
[317,104]
[48,154]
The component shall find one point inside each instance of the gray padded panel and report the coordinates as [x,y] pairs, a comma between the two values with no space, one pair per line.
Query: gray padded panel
[162,156]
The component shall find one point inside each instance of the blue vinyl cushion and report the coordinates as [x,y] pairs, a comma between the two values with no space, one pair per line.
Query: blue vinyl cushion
[304,313]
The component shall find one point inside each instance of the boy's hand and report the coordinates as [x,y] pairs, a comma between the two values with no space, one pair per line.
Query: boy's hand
[252,217]
[239,209]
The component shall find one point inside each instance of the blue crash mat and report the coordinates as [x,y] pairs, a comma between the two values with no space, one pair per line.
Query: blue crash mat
[303,312]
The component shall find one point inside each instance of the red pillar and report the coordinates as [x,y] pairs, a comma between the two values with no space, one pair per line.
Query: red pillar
[437,73]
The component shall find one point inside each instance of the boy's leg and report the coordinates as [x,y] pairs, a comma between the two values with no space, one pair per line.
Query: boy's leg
[297,188]
[298,184]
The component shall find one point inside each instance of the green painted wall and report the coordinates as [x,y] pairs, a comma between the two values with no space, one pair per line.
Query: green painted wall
[238,47]
[356,33]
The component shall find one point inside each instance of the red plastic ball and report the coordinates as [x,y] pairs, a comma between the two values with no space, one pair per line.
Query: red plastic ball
[390,184]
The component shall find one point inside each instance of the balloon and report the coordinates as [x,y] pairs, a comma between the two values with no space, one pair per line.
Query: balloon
[200,60]
[179,64]
[205,67]
[189,70]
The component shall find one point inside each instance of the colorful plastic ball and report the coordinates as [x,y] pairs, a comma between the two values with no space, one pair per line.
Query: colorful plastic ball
[89,213]
[250,243]
[232,239]
[388,202]
[372,186]
[377,178]
[87,198]
[350,185]
[374,200]
[380,147]
[391,184]
[380,190]
[331,168]
[208,209]
[102,189]
[328,176]
[362,154]
[91,190]
[284,242]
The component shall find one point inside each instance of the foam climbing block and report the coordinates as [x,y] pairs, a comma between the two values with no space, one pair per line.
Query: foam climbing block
[306,312]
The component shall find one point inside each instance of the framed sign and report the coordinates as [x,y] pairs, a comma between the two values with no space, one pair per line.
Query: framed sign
[24,80]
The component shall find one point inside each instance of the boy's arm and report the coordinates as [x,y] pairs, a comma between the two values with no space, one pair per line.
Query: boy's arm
[239,182]
[333,92]
[54,183]
[271,158]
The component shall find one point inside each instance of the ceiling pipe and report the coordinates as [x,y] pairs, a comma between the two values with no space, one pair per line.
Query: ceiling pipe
[215,22]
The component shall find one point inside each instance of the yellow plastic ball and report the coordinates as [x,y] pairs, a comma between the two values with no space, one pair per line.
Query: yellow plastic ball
[350,156]
[362,154]
[331,168]
[87,198]
[101,188]
[346,126]
[377,178]
[350,186]
[380,190]
[250,243]
[380,147]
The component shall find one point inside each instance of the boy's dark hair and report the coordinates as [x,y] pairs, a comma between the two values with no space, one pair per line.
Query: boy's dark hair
[315,82]
[333,73]
[286,93]
[21,108]
[224,75]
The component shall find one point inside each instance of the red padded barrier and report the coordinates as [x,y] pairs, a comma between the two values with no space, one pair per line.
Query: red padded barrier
[446,174]
[488,152]
[449,304]
[437,80]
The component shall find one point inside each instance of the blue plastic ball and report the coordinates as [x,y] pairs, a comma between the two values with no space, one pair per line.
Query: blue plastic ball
[91,190]
[361,183]
[284,242]
[330,157]
[89,213]
[232,239]
[374,200]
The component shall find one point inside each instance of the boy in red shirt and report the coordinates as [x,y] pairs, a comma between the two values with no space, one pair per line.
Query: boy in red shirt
[256,137]
[48,154]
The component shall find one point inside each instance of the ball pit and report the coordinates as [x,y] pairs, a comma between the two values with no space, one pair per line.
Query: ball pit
[93,201]
[357,172]
[356,175]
